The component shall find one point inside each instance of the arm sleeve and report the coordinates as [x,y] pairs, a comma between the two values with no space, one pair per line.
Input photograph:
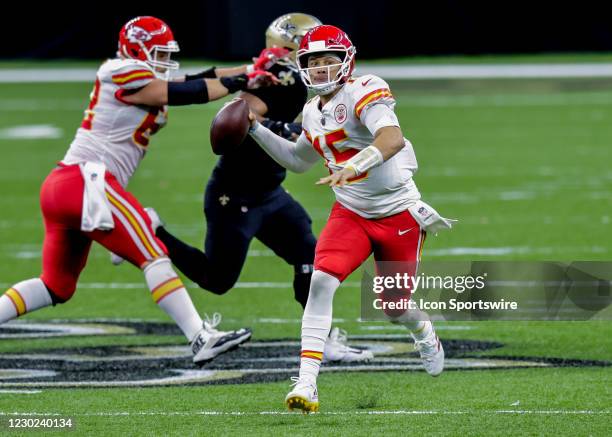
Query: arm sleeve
[297,157]
[131,74]
[377,116]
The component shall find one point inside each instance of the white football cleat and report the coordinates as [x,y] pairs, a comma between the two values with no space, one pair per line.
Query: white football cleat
[337,349]
[432,353]
[303,397]
[156,222]
[218,341]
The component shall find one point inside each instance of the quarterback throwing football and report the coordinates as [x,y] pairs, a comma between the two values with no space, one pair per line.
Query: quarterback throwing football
[85,199]
[236,212]
[351,124]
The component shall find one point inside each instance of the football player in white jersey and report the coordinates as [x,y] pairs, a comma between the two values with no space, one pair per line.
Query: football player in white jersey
[351,124]
[84,199]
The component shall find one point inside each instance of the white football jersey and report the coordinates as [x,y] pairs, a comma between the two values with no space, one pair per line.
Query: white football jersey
[338,132]
[113,131]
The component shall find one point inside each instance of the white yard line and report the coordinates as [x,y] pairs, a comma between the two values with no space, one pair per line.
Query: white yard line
[23,392]
[416,72]
[28,252]
[324,413]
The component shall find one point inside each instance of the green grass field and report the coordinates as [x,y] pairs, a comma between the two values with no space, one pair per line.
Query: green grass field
[523,164]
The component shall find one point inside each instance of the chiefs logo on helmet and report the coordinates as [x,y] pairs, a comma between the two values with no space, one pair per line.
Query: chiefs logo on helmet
[149,39]
[135,34]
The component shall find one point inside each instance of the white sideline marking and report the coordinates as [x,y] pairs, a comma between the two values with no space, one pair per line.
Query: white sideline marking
[491,251]
[448,71]
[500,251]
[324,413]
[24,392]
[34,251]
[31,132]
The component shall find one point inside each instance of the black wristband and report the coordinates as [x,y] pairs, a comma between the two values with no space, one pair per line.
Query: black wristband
[235,83]
[209,73]
[187,93]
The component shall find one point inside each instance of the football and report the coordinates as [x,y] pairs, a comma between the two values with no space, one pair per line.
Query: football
[230,126]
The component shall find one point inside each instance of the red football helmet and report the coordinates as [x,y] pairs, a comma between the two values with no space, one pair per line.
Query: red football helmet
[151,40]
[326,40]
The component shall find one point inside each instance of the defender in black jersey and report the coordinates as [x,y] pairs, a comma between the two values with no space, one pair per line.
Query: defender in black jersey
[236,212]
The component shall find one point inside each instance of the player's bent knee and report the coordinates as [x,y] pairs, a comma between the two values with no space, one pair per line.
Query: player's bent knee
[60,289]
[217,279]
[336,270]
[159,268]
[322,283]
[61,295]
[161,278]
[218,286]
[155,261]
[395,304]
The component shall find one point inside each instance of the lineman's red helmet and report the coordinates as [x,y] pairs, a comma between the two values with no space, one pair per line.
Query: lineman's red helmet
[150,40]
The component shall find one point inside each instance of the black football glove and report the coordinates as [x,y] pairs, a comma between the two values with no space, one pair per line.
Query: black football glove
[285,130]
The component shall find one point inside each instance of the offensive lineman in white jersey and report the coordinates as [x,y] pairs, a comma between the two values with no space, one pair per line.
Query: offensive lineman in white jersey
[351,124]
[84,199]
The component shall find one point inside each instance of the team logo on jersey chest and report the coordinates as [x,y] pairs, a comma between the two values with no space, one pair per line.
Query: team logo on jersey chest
[340,113]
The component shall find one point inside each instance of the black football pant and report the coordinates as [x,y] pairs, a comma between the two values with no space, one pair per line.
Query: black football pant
[276,219]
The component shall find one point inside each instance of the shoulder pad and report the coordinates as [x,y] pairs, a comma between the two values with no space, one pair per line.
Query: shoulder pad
[126,73]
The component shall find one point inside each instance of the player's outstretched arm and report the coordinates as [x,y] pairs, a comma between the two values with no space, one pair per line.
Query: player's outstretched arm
[266,59]
[289,131]
[160,92]
[297,157]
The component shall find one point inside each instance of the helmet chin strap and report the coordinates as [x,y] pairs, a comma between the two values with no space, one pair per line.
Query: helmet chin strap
[323,91]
